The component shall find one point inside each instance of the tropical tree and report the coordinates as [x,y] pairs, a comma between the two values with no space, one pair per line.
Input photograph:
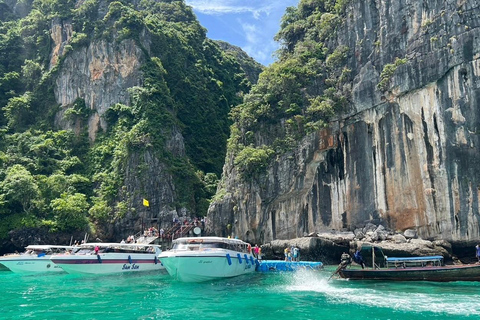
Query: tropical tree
[19,189]
[70,211]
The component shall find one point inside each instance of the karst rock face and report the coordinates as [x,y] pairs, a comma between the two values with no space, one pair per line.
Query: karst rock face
[406,155]
[147,95]
[100,74]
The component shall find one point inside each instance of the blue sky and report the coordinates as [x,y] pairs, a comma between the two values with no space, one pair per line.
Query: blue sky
[248,24]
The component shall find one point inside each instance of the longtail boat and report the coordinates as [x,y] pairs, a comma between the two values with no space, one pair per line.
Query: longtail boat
[428,268]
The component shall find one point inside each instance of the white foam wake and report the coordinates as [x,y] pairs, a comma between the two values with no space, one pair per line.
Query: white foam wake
[451,302]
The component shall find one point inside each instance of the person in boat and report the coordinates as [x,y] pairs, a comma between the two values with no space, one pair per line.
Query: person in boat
[255,251]
[478,252]
[358,258]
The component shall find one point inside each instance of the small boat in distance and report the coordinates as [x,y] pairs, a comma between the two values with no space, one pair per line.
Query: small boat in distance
[200,259]
[36,258]
[105,258]
[428,268]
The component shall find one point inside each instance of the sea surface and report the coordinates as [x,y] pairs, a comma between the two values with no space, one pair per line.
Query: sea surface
[294,295]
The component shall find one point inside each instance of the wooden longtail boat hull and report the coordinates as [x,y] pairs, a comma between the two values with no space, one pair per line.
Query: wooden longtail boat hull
[469,272]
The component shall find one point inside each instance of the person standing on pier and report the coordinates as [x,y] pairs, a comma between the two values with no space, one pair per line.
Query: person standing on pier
[286,252]
[295,254]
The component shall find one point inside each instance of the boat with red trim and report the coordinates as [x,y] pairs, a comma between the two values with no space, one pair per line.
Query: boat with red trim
[104,258]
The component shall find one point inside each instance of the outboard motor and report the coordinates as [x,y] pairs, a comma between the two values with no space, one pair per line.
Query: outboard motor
[345,260]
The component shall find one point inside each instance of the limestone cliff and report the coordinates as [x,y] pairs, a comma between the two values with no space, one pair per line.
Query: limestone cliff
[104,71]
[406,153]
[114,102]
[100,74]
[251,67]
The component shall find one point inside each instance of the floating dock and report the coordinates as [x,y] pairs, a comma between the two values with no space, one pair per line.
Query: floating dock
[277,265]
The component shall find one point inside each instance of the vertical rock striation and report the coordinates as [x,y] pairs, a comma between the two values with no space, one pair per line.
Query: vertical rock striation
[406,154]
[100,74]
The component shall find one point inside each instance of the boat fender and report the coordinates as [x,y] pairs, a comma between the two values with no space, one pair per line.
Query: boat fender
[251,260]
[239,258]
[99,259]
[130,259]
[229,260]
[155,260]
[246,258]
[257,262]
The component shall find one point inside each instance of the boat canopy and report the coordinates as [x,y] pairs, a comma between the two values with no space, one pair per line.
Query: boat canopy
[401,262]
[414,261]
[46,249]
[427,258]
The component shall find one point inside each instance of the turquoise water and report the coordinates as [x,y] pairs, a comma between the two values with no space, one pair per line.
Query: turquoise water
[299,295]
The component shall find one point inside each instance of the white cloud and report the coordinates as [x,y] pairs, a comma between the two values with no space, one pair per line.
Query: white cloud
[251,34]
[258,44]
[249,24]
[220,7]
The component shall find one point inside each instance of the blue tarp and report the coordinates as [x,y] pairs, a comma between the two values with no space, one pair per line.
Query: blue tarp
[277,265]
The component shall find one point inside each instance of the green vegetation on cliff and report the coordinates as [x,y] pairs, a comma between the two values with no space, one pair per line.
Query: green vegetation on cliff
[299,93]
[61,180]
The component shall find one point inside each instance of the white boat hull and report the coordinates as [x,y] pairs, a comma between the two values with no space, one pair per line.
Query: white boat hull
[30,264]
[108,263]
[198,267]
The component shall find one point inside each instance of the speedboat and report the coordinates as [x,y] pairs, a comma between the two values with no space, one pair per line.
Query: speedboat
[36,258]
[104,258]
[199,259]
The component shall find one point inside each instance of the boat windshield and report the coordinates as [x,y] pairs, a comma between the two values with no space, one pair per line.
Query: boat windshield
[199,244]
[82,251]
[116,248]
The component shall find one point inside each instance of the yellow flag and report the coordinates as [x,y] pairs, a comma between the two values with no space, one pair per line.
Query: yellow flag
[145,203]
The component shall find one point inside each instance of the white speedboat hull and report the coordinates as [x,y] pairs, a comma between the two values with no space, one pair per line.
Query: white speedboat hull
[108,263]
[196,267]
[30,264]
